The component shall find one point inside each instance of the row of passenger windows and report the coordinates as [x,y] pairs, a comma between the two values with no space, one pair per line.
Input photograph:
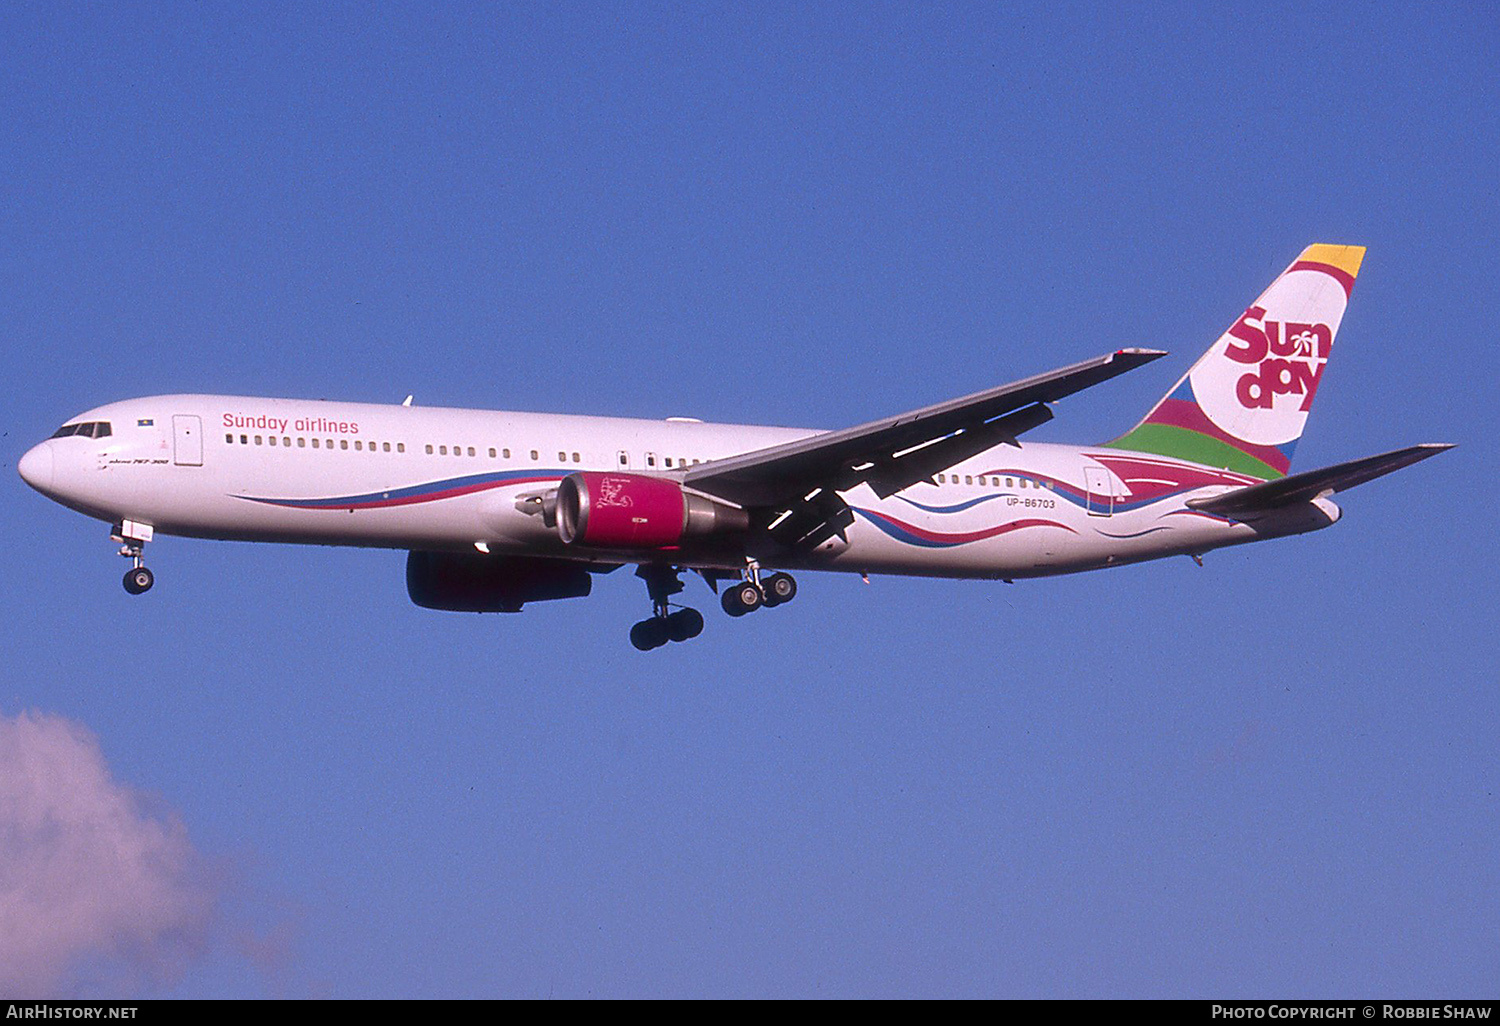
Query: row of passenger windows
[360,445]
[431,449]
[682,461]
[461,450]
[93,429]
[992,482]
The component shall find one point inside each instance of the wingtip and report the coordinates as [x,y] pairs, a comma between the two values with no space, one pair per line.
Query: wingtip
[1143,354]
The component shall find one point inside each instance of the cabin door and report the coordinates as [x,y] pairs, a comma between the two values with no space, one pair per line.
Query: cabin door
[187,440]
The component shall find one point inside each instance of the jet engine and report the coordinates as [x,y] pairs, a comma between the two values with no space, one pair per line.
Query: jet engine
[634,511]
[474,583]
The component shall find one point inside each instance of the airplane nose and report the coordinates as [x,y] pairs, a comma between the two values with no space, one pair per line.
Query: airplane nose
[35,467]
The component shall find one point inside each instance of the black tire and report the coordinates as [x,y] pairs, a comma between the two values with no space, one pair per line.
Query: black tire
[649,634]
[684,624]
[780,588]
[743,598]
[139,580]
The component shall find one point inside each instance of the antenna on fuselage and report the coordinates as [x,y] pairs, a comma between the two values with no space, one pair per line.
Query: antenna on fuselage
[406,401]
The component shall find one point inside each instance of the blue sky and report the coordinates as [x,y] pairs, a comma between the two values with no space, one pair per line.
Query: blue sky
[1272,776]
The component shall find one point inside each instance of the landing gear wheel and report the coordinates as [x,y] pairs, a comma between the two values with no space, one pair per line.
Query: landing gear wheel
[684,624]
[742,598]
[649,634]
[138,579]
[779,588]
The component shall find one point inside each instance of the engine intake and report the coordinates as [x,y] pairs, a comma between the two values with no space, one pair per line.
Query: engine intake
[634,511]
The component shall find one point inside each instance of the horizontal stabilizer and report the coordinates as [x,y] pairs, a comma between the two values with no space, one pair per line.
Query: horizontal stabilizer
[1310,485]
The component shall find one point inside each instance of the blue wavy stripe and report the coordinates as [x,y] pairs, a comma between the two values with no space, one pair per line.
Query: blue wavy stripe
[954,509]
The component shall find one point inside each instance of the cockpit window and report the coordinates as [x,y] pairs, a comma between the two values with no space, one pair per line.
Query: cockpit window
[93,429]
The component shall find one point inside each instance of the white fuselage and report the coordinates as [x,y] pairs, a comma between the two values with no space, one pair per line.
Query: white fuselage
[404,477]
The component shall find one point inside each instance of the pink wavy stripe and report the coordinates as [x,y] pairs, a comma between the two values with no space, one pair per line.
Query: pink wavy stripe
[1143,476]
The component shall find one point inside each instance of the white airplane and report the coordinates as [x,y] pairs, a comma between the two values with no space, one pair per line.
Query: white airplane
[501,509]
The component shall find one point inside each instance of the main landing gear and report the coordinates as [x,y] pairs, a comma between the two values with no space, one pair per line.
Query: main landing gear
[662,582]
[138,579]
[754,592]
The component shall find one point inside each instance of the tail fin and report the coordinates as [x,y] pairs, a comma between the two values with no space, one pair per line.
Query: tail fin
[1243,405]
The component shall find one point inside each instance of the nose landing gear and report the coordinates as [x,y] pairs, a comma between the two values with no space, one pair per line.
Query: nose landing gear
[133,538]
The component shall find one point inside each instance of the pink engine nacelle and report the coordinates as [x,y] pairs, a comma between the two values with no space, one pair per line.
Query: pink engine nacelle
[634,511]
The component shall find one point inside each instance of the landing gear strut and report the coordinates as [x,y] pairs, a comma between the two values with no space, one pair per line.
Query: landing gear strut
[662,582]
[138,579]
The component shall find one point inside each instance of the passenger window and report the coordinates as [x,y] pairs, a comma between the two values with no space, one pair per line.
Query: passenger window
[400,446]
[968,479]
[385,446]
[1008,483]
[624,459]
[229,439]
[359,445]
[492,453]
[257,439]
[562,457]
[471,450]
[668,462]
[575,457]
[651,459]
[315,443]
[534,454]
[302,443]
[244,439]
[343,443]
[442,450]
[505,453]
[271,440]
[942,479]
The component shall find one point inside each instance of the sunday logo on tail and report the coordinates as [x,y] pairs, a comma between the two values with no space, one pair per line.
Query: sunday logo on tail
[1244,404]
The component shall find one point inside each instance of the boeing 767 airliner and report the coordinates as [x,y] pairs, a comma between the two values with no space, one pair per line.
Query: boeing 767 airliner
[500,509]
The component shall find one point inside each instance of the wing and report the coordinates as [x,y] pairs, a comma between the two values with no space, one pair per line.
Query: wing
[897,452]
[1310,484]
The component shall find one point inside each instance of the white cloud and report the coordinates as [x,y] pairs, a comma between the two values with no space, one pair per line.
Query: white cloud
[91,871]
